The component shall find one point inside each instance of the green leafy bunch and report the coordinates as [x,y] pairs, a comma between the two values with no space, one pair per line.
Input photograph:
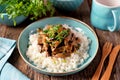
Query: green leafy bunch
[32,8]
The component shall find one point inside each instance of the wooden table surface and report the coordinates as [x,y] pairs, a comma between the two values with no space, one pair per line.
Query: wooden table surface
[83,14]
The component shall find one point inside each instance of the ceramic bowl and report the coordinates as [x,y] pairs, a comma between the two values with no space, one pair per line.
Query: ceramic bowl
[7,21]
[24,36]
[67,5]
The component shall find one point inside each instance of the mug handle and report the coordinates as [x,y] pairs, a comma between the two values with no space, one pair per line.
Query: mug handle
[116,17]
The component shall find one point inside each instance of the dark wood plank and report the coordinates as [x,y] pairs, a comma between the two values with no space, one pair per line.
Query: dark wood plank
[82,14]
[114,38]
[104,36]
[89,71]
[2,30]
[90,3]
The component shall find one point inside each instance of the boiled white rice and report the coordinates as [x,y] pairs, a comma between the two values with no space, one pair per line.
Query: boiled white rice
[52,64]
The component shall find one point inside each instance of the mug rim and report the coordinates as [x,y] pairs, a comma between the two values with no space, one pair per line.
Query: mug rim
[106,5]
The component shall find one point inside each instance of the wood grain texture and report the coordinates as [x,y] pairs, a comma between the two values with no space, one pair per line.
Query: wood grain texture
[83,14]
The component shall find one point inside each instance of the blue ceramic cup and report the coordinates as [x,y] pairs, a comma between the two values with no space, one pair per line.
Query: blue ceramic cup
[105,14]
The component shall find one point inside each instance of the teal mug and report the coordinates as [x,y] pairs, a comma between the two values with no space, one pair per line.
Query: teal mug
[105,14]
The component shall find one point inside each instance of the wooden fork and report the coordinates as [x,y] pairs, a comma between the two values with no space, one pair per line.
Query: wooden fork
[105,52]
[112,59]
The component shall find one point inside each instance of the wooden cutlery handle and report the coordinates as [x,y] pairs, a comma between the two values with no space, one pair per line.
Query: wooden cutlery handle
[112,58]
[98,70]
[105,52]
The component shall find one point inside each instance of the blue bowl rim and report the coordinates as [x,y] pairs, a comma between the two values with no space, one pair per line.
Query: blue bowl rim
[63,73]
[4,14]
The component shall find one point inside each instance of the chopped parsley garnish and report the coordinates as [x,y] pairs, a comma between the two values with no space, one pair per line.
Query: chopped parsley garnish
[56,32]
[62,35]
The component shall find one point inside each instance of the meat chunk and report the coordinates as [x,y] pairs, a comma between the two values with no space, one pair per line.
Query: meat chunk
[54,45]
[57,43]
[60,55]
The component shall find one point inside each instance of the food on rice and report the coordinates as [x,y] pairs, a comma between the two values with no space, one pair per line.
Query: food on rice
[58,48]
